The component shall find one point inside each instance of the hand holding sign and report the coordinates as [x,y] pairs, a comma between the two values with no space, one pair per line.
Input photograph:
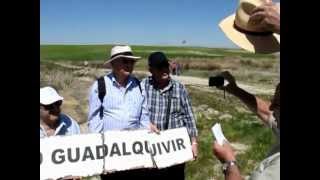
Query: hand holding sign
[153,128]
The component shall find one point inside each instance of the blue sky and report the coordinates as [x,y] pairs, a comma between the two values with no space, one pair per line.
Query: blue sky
[135,22]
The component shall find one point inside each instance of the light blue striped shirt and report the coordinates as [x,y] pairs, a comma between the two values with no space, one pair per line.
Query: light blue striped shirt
[67,126]
[124,107]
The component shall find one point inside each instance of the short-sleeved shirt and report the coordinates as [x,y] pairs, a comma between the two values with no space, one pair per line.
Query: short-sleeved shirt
[269,168]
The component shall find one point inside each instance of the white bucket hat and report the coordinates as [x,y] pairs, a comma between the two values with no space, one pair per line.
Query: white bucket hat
[246,35]
[48,95]
[121,51]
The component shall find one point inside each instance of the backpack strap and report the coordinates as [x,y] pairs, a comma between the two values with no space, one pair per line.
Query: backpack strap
[101,93]
[138,82]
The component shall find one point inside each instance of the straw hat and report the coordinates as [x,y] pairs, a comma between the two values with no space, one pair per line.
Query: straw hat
[245,34]
[121,51]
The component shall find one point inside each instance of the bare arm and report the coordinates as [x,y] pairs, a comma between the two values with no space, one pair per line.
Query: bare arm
[233,173]
[225,153]
[258,106]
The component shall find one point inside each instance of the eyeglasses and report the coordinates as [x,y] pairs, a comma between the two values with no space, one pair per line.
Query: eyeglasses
[52,106]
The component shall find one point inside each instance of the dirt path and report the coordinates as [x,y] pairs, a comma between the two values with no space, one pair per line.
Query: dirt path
[186,80]
[202,82]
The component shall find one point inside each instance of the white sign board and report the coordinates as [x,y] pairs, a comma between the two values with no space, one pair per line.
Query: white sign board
[127,150]
[90,154]
[78,155]
[171,147]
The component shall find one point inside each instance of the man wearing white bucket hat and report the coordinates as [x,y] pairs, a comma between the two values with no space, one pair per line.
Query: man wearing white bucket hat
[52,121]
[255,28]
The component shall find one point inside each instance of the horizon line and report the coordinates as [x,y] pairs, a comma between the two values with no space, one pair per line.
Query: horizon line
[161,45]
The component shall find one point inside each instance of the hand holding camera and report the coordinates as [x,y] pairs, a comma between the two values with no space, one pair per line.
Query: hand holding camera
[223,81]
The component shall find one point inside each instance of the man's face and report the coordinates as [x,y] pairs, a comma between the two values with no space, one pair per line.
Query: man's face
[50,112]
[160,74]
[123,66]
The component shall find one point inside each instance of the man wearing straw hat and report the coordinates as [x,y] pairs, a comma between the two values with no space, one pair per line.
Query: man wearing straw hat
[121,106]
[116,101]
[256,28]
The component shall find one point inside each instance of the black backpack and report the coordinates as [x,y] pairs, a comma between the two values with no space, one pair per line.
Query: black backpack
[102,92]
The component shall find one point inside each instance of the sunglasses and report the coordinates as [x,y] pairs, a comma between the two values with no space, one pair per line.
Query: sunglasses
[52,106]
[127,61]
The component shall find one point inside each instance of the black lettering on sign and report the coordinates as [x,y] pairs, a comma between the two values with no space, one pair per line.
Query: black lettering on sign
[147,146]
[41,158]
[173,145]
[87,154]
[60,159]
[138,150]
[166,148]
[124,149]
[159,147]
[154,151]
[115,150]
[104,149]
[180,143]
[70,155]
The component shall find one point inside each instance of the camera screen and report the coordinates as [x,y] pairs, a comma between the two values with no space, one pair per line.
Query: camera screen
[216,81]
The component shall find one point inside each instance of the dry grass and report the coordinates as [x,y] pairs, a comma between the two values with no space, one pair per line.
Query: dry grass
[262,63]
[56,78]
[71,86]
[233,63]
[201,65]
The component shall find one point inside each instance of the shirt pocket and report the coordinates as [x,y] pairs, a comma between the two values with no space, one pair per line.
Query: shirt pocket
[175,105]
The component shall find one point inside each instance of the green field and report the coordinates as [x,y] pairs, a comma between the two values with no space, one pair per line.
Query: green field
[101,52]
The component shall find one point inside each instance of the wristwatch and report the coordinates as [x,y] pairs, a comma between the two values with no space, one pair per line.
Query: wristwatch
[226,165]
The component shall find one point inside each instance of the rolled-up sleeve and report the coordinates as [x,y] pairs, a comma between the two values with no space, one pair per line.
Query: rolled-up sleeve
[95,124]
[189,119]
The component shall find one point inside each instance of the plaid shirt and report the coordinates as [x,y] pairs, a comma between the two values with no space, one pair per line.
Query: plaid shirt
[181,113]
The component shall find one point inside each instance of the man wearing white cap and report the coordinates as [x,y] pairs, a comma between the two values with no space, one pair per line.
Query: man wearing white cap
[52,121]
[255,28]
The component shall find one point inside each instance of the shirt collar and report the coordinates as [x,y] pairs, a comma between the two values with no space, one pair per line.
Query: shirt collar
[161,90]
[115,82]
[58,129]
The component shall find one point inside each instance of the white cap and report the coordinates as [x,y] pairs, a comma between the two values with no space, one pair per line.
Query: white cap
[48,95]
